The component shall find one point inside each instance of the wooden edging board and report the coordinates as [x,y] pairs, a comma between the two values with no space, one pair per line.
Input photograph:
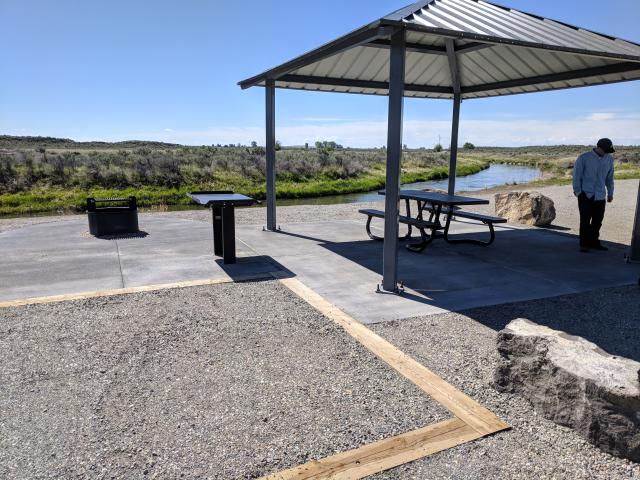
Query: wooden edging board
[129,290]
[471,420]
[384,454]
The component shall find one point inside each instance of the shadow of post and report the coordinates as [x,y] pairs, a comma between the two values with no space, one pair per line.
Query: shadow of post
[258,267]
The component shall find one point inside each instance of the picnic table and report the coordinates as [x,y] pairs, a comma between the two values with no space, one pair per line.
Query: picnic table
[435,204]
[222,204]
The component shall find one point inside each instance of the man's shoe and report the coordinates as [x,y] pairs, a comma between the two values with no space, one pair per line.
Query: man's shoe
[584,249]
[600,247]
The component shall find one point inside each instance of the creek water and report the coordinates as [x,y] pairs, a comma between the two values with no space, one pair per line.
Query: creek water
[494,176]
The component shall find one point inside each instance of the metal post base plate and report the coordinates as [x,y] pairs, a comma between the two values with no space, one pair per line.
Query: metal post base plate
[399,290]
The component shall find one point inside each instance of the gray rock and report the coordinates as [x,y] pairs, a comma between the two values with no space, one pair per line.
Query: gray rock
[573,383]
[530,208]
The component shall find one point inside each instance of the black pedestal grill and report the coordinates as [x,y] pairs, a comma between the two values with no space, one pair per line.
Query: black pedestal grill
[114,216]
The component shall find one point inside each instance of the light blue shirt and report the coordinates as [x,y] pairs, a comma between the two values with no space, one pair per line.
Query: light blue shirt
[592,173]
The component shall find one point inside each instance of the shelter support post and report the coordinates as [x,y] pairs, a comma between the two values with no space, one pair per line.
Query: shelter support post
[450,47]
[270,92]
[394,157]
[453,158]
[635,239]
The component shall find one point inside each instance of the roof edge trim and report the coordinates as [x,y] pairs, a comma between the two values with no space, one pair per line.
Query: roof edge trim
[353,39]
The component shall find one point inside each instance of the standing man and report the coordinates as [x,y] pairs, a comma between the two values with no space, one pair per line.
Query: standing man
[593,172]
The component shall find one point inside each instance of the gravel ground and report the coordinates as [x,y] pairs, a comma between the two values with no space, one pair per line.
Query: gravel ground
[616,228]
[227,381]
[466,356]
[206,382]
[618,219]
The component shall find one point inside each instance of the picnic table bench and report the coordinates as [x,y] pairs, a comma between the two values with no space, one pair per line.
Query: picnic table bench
[420,224]
[457,212]
[435,204]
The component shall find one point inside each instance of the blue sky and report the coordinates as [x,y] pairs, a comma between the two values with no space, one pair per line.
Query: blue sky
[167,70]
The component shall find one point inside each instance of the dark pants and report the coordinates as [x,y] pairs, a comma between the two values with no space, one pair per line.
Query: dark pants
[591,216]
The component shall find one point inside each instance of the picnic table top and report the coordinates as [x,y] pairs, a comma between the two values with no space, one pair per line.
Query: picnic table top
[439,198]
[221,199]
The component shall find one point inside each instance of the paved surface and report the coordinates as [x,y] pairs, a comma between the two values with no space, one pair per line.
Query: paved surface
[61,257]
[226,381]
[335,258]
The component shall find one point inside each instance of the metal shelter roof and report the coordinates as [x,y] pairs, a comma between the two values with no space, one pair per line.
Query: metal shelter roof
[477,48]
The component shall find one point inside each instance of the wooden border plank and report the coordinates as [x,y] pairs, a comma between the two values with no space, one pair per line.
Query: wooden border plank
[384,454]
[129,290]
[471,412]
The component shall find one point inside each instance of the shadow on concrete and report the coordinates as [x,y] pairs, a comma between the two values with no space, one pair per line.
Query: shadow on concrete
[547,263]
[122,236]
[254,268]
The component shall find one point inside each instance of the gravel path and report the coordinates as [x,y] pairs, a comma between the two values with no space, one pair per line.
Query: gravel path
[227,381]
[618,219]
[466,356]
[616,228]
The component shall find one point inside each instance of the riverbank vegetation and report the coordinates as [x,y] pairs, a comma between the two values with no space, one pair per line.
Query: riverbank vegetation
[46,175]
[42,174]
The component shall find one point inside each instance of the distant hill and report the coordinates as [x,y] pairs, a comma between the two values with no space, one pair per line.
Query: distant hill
[10,141]
[28,142]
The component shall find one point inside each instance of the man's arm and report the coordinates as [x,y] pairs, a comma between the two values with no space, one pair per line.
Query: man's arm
[609,183]
[578,170]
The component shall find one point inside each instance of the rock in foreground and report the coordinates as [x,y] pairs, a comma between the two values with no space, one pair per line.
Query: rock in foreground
[530,208]
[573,383]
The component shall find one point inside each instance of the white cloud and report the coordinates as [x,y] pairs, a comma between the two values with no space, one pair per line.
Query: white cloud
[320,119]
[598,116]
[168,130]
[500,132]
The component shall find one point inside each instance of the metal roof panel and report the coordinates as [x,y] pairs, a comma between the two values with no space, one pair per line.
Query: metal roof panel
[494,44]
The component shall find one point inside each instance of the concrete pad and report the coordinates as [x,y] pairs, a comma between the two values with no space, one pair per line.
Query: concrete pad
[175,250]
[335,258]
[62,258]
[53,259]
[340,262]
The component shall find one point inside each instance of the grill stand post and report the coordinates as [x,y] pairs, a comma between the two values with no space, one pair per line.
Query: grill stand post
[216,214]
[228,235]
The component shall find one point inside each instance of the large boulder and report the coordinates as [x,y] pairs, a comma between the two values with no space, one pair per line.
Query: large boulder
[572,382]
[530,208]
